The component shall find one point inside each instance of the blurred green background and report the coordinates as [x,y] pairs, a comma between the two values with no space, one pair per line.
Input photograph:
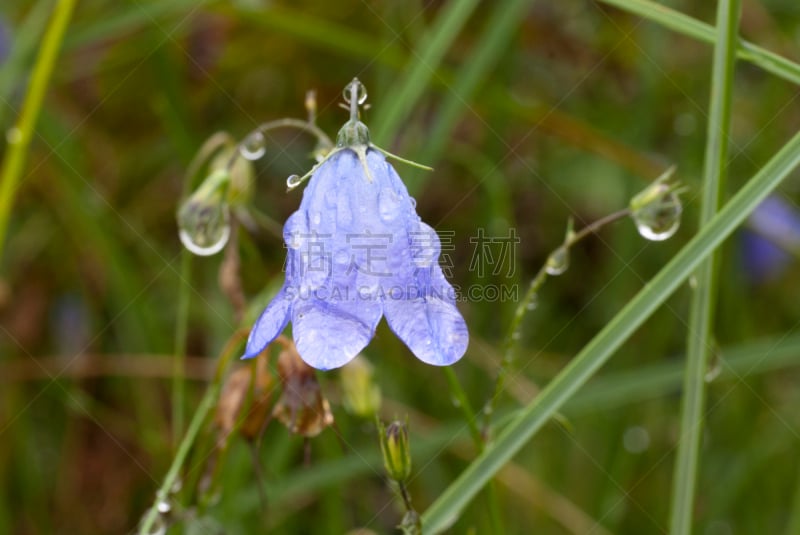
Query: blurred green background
[572,107]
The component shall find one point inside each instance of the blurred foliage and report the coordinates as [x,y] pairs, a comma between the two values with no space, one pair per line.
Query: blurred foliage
[579,106]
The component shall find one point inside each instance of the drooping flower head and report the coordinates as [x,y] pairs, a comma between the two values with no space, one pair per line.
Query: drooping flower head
[357,251]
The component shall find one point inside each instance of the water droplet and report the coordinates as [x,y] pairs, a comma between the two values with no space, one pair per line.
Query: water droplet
[177,486]
[456,402]
[388,204]
[361,91]
[204,226]
[254,146]
[164,507]
[558,261]
[293,181]
[660,219]
[13,135]
[516,335]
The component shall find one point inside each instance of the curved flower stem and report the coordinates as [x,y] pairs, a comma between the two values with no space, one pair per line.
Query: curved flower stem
[299,124]
[525,304]
[14,161]
[206,404]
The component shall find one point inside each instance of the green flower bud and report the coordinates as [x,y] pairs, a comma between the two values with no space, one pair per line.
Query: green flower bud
[396,450]
[360,395]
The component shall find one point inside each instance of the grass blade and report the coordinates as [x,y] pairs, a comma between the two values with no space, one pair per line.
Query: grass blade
[438,39]
[686,25]
[14,162]
[701,318]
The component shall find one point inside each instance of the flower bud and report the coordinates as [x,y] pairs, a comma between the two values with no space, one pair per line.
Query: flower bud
[396,450]
[360,395]
[657,209]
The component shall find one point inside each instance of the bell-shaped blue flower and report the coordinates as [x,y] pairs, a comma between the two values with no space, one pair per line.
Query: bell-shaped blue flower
[357,251]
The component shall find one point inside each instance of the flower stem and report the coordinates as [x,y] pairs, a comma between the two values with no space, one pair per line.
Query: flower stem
[527,302]
[206,404]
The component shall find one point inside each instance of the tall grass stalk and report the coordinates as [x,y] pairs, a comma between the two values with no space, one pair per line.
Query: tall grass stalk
[21,134]
[700,337]
[686,25]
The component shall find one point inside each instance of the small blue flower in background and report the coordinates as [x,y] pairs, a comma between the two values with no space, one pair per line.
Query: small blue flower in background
[773,229]
[357,251]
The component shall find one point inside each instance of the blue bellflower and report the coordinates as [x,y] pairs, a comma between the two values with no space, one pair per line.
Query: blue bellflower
[357,250]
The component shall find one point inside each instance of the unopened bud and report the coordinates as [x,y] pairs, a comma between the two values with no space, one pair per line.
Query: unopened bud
[360,395]
[396,450]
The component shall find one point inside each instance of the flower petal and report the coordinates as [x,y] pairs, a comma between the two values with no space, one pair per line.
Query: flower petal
[269,325]
[330,333]
[432,328]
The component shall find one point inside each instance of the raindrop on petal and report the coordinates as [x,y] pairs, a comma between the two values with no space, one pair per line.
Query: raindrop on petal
[254,146]
[388,204]
[558,262]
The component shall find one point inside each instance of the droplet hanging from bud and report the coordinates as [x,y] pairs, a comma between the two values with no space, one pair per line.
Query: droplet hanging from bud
[558,261]
[657,210]
[355,88]
[254,146]
[204,219]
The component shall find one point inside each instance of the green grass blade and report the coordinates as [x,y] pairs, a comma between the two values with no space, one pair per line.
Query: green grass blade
[488,50]
[686,25]
[14,162]
[14,68]
[701,318]
[449,504]
[439,37]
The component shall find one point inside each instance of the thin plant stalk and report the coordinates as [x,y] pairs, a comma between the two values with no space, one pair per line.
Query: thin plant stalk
[701,318]
[22,133]
[203,409]
[444,511]
[179,355]
[528,301]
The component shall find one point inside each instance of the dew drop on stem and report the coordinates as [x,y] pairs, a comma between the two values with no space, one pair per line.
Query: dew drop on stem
[558,262]
[254,146]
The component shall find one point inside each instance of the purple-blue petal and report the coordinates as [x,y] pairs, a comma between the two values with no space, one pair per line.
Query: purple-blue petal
[330,333]
[269,325]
